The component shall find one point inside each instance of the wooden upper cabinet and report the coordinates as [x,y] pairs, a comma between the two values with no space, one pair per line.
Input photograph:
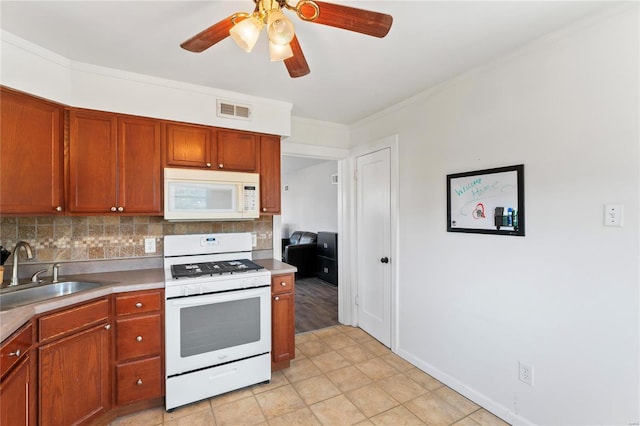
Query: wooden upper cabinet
[238,151]
[92,162]
[270,174]
[114,164]
[31,155]
[139,165]
[189,146]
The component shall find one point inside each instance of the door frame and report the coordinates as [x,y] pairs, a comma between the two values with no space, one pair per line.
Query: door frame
[392,143]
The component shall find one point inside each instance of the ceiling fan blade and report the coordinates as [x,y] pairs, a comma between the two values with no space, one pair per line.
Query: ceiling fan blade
[345,17]
[297,64]
[212,35]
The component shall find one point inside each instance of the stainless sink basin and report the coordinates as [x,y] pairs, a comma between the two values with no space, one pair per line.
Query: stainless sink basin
[14,297]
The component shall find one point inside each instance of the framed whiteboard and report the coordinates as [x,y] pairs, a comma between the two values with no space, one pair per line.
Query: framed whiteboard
[487,201]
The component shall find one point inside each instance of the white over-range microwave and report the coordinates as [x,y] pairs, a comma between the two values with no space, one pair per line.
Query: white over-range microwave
[210,195]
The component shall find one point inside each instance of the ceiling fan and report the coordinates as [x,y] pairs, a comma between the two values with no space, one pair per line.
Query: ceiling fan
[244,28]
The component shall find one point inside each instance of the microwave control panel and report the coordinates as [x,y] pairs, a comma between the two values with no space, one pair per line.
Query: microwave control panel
[250,198]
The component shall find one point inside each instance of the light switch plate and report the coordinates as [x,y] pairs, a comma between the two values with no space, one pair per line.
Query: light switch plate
[613,214]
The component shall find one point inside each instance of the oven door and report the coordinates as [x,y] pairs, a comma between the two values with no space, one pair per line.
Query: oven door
[212,329]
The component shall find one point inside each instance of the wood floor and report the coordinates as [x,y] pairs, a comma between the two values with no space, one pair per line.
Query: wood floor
[316,304]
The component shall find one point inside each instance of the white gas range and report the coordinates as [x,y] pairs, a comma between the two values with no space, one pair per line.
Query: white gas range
[218,316]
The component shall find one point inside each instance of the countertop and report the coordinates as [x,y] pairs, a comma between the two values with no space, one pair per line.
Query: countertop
[113,282]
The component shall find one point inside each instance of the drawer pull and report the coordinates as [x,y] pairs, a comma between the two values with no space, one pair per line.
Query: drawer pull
[107,327]
[139,382]
[139,338]
[283,284]
[276,298]
[16,353]
[139,305]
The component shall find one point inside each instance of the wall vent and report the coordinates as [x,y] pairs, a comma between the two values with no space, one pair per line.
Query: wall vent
[230,109]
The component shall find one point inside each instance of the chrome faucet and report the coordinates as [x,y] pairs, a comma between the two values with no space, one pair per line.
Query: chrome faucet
[16,249]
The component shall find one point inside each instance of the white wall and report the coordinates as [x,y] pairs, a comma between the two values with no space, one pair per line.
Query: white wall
[564,298]
[33,69]
[311,201]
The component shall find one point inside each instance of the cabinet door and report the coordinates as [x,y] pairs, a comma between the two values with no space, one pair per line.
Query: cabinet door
[31,162]
[189,146]
[283,346]
[139,166]
[74,378]
[237,151]
[270,174]
[92,162]
[15,403]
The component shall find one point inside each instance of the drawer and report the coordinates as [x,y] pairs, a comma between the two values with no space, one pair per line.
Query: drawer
[71,319]
[282,283]
[138,337]
[139,302]
[139,380]
[328,270]
[15,348]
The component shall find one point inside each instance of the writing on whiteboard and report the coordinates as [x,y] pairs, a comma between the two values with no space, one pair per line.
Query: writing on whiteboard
[477,188]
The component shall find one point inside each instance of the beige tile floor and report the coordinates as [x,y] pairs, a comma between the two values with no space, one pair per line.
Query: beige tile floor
[340,376]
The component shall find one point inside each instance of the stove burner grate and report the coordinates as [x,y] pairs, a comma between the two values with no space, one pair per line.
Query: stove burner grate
[192,270]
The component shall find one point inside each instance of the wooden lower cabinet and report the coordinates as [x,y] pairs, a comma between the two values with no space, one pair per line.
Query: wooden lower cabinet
[74,376]
[283,347]
[15,401]
[95,361]
[17,396]
[139,365]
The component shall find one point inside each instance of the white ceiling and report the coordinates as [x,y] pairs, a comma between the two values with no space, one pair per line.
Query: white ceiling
[352,75]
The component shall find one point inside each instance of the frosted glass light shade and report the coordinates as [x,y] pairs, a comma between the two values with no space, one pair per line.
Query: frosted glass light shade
[246,32]
[279,28]
[279,52]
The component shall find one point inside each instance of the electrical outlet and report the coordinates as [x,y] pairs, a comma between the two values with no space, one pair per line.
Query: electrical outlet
[525,373]
[149,245]
[613,214]
[254,240]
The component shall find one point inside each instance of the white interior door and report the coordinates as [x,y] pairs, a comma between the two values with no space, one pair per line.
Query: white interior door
[374,244]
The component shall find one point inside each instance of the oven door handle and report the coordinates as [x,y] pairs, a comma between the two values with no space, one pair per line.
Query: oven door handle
[203,299]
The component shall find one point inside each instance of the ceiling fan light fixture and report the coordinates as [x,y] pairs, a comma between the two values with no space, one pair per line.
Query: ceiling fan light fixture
[246,32]
[279,52]
[279,28]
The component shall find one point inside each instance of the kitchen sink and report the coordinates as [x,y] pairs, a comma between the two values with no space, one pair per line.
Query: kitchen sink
[25,294]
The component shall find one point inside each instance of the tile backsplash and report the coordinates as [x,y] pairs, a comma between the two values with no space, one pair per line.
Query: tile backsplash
[81,238]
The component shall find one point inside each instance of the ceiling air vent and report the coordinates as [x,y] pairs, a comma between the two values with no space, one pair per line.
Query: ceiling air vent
[228,109]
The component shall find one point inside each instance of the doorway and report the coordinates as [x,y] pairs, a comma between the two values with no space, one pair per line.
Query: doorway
[310,204]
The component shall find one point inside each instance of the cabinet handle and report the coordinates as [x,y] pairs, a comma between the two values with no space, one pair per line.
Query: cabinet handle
[59,209]
[264,209]
[208,164]
[139,338]
[16,353]
[139,305]
[276,298]
[283,284]
[120,209]
[107,327]
[221,166]
[139,382]
[113,209]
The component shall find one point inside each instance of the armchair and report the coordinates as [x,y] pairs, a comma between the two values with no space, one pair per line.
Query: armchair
[300,250]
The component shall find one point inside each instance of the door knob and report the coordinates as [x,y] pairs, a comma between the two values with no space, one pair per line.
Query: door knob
[384,260]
